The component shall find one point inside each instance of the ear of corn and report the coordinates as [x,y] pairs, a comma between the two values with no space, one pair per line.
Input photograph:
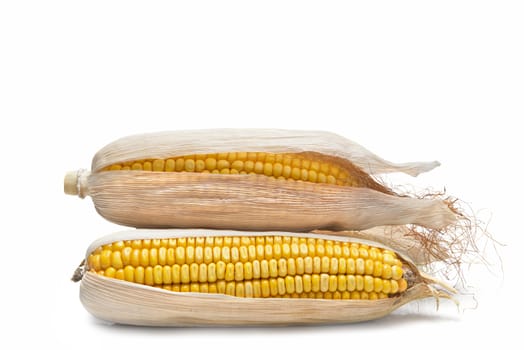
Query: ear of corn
[248,266]
[249,180]
[177,277]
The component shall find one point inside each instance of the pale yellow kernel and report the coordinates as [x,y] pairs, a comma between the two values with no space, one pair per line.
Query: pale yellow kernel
[281,284]
[119,274]
[230,288]
[158,273]
[136,166]
[94,262]
[237,165]
[317,264]
[396,272]
[273,268]
[282,267]
[277,169]
[369,266]
[402,285]
[207,255]
[307,283]
[321,178]
[315,283]
[162,255]
[202,273]
[342,265]
[211,164]
[144,257]
[299,287]
[325,261]
[296,173]
[217,253]
[139,275]
[129,274]
[239,271]
[286,171]
[277,251]
[291,266]
[268,169]
[304,174]
[148,276]
[230,272]
[295,250]
[175,274]
[170,165]
[341,282]
[126,167]
[256,269]
[180,255]
[290,284]
[185,288]
[259,168]
[153,256]
[184,274]
[324,282]
[167,275]
[273,287]
[387,271]
[135,257]
[200,165]
[355,295]
[126,255]
[377,269]
[251,252]
[386,286]
[389,259]
[179,164]
[359,282]
[249,166]
[268,251]
[264,269]
[360,266]
[320,249]
[190,254]
[308,265]
[221,156]
[394,286]
[235,254]
[351,283]
[363,252]
[189,165]
[221,270]
[333,283]
[116,167]
[378,284]
[105,258]
[265,288]
[242,156]
[257,290]
[368,283]
[226,254]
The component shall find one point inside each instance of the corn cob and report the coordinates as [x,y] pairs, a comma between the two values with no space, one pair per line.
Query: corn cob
[233,277]
[249,180]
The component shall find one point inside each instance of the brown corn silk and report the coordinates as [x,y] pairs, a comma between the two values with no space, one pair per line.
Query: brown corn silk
[127,302]
[332,187]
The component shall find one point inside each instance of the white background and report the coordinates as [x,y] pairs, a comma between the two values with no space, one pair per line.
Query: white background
[410,80]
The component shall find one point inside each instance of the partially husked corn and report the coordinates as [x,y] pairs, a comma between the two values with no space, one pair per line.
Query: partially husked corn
[261,180]
[309,167]
[254,266]
[222,277]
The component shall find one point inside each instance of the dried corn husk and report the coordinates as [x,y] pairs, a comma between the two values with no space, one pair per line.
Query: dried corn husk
[248,202]
[129,303]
